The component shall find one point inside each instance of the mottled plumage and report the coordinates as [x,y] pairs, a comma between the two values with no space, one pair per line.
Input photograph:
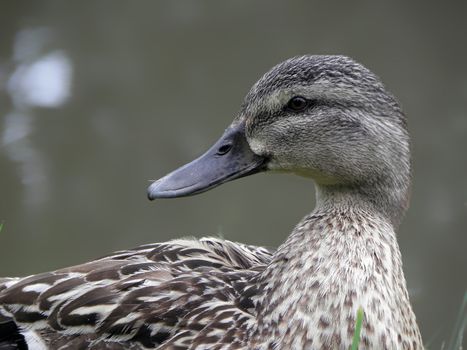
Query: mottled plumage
[323,117]
[143,296]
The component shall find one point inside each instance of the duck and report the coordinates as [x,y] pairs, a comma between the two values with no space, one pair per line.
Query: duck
[323,117]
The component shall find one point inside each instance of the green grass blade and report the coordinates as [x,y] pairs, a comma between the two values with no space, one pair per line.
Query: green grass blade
[1,226]
[455,342]
[358,329]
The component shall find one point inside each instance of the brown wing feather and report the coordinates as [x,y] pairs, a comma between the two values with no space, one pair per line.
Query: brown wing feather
[151,295]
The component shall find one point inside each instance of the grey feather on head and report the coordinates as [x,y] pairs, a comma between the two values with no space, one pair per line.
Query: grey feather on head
[349,135]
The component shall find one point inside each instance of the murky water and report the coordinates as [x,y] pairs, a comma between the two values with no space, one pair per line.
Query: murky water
[97,99]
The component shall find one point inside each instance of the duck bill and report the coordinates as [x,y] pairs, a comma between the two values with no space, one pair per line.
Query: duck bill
[229,158]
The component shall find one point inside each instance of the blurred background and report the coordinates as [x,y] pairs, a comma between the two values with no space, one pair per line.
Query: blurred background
[97,98]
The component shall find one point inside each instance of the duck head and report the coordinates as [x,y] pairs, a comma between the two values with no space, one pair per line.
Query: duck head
[324,117]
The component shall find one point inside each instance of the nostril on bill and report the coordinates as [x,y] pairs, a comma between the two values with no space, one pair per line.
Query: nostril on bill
[224,149]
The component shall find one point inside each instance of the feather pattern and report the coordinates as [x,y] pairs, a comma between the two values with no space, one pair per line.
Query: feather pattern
[143,296]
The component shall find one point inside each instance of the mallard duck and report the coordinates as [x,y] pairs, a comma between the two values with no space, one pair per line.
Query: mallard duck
[326,118]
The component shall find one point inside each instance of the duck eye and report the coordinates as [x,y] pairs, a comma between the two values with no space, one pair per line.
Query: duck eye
[297,104]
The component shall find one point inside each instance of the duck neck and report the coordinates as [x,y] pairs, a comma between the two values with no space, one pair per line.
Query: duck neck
[386,198]
[339,258]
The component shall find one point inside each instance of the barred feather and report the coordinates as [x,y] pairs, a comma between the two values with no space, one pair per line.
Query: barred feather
[138,298]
